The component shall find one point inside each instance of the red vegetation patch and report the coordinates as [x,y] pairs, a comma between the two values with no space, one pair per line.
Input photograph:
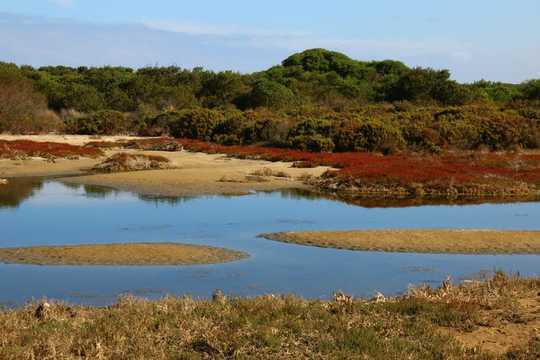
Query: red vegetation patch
[10,149]
[466,173]
[402,169]
[105,144]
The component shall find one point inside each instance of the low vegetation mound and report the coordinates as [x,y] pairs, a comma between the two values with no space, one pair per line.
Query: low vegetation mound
[132,162]
[470,174]
[159,144]
[28,148]
[419,241]
[491,320]
[120,254]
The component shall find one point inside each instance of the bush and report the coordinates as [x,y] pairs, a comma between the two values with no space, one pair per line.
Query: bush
[104,122]
[265,126]
[312,127]
[269,94]
[504,132]
[420,137]
[22,108]
[531,89]
[370,135]
[229,131]
[379,136]
[194,124]
[314,143]
[45,121]
[157,125]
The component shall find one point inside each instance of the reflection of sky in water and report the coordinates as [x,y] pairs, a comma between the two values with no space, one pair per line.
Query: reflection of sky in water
[57,214]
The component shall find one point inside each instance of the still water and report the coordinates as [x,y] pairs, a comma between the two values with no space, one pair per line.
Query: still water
[51,213]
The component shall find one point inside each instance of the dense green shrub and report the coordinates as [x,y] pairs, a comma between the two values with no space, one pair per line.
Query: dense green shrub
[194,123]
[424,85]
[503,132]
[368,135]
[316,99]
[157,125]
[269,94]
[310,127]
[459,133]
[266,127]
[531,89]
[314,143]
[104,122]
[230,130]
[419,136]
[375,135]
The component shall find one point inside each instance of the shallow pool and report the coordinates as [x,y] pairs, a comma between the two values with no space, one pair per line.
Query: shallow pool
[51,213]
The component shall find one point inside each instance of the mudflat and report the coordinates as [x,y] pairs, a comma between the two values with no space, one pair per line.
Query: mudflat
[142,254]
[419,241]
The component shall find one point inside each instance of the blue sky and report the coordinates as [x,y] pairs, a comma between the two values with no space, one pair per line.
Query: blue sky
[492,39]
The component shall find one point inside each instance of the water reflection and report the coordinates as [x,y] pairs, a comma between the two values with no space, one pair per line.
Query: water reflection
[17,191]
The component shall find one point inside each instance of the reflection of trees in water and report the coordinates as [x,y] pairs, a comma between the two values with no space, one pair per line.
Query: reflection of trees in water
[400,202]
[296,194]
[18,190]
[99,192]
[396,202]
[72,186]
[93,191]
[165,200]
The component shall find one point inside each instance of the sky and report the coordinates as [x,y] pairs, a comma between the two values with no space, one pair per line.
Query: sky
[491,39]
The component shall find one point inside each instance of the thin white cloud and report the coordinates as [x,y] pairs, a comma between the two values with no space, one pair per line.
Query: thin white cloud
[194,28]
[63,3]
[296,41]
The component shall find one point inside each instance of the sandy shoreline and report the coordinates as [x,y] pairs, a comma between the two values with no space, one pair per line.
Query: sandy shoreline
[193,174]
[201,174]
[122,254]
[439,241]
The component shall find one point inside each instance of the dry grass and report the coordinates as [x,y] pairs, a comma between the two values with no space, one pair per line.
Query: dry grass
[424,324]
[419,241]
[120,254]
[268,172]
[132,162]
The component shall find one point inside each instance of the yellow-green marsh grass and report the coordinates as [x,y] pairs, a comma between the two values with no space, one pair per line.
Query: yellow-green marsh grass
[492,320]
[419,241]
[143,254]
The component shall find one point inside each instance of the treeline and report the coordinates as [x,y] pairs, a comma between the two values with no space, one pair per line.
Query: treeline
[316,100]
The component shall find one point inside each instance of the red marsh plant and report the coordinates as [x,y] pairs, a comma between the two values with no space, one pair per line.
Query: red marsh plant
[10,149]
[404,169]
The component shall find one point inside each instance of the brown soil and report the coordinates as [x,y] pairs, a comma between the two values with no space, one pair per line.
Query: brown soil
[501,330]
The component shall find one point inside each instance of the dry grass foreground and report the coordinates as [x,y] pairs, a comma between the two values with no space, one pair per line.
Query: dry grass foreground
[120,254]
[419,241]
[498,319]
